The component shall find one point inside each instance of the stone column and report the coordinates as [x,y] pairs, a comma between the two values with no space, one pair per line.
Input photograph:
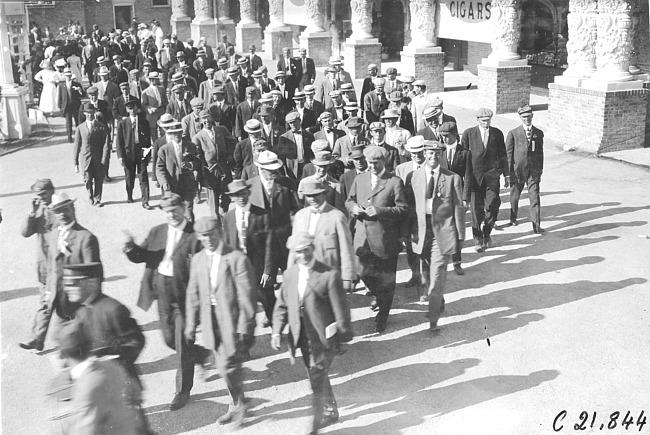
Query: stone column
[361,48]
[422,58]
[503,77]
[315,39]
[248,30]
[581,45]
[204,23]
[225,23]
[14,122]
[180,20]
[640,40]
[277,34]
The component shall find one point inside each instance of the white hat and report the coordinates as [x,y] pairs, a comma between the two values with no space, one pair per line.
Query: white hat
[268,160]
[415,144]
[60,200]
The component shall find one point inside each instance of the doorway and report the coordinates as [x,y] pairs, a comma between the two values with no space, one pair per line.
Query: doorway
[392,27]
[123,16]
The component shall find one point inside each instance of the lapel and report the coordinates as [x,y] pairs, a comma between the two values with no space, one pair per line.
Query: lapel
[381,184]
[440,187]
[322,221]
[223,267]
[204,269]
[292,285]
[184,238]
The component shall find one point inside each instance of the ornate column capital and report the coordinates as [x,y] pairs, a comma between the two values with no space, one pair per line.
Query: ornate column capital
[203,10]
[276,14]
[361,18]
[248,11]
[581,43]
[507,30]
[179,9]
[423,24]
[614,44]
[315,16]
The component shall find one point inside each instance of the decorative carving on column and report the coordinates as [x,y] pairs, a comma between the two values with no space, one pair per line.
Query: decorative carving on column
[223,10]
[361,18]
[248,11]
[276,13]
[507,29]
[315,16]
[614,44]
[423,23]
[179,9]
[639,38]
[203,10]
[581,45]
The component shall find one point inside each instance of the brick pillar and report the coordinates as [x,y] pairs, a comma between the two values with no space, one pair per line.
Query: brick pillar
[204,24]
[225,24]
[277,34]
[248,30]
[422,58]
[315,39]
[180,20]
[361,48]
[503,77]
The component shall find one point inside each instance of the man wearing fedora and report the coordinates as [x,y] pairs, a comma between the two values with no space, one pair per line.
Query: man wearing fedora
[312,103]
[92,143]
[375,101]
[221,297]
[215,147]
[440,215]
[489,160]
[192,121]
[430,132]
[177,168]
[134,149]
[344,145]
[154,102]
[312,302]
[525,146]
[222,111]
[40,221]
[69,93]
[377,200]
[243,154]
[285,86]
[294,146]
[322,162]
[245,112]
[378,139]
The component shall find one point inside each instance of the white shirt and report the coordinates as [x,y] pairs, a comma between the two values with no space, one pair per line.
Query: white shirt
[301,112]
[301,151]
[303,277]
[214,259]
[267,184]
[428,204]
[374,178]
[177,149]
[64,232]
[242,214]
[330,137]
[415,165]
[166,266]
[451,150]
[314,217]
[134,121]
[485,134]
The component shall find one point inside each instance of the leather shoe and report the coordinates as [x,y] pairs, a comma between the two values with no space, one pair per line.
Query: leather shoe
[539,230]
[412,282]
[478,245]
[373,305]
[235,414]
[98,204]
[179,400]
[487,242]
[34,344]
[513,223]
[146,206]
[424,298]
[328,419]
[108,179]
[129,200]
[434,329]
[379,327]
[458,269]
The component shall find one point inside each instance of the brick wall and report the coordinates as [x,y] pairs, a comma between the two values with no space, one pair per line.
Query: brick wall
[504,89]
[646,142]
[643,58]
[429,67]
[597,121]
[359,56]
[58,16]
[476,51]
[319,48]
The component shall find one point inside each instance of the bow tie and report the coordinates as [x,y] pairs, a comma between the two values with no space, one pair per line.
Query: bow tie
[316,211]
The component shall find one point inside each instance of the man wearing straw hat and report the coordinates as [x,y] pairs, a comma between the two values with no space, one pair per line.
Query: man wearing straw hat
[154,102]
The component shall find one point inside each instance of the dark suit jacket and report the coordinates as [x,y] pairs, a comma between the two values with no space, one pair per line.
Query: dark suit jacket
[242,156]
[236,296]
[225,116]
[309,120]
[406,120]
[316,108]
[461,165]
[69,103]
[125,141]
[525,159]
[373,106]
[304,79]
[324,303]
[169,171]
[158,143]
[244,112]
[274,137]
[215,156]
[118,109]
[367,86]
[92,145]
[488,162]
[152,251]
[41,223]
[286,148]
[383,231]
[428,134]
[102,114]
[178,111]
[320,135]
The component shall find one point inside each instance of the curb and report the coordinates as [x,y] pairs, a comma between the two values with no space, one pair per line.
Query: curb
[29,142]
[627,162]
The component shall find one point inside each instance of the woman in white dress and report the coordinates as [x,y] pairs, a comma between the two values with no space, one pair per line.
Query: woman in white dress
[75,65]
[48,103]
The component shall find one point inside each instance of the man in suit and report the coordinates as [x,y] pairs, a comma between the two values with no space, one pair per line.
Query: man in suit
[368,83]
[378,138]
[421,101]
[308,119]
[215,146]
[222,112]
[232,57]
[330,228]
[285,61]
[305,69]
[154,102]
[286,88]
[223,46]
[179,103]
[337,109]
[360,165]
[245,71]
[221,297]
[311,301]
[192,122]
[221,72]
[342,76]
[375,101]
[328,132]
[343,145]
[243,154]
[322,163]
[177,168]
[92,142]
[259,85]
[69,94]
[329,84]
[392,84]
[395,135]
[40,221]
[119,110]
[166,252]
[489,161]
[401,104]
[280,106]
[254,60]
[311,103]
[207,86]
[525,146]
[108,91]
[271,130]
[294,146]
[430,131]
[440,215]
[377,200]
[165,121]
[134,150]
[244,112]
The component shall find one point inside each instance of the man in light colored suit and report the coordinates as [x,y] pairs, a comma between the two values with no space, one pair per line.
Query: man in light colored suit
[377,200]
[440,215]
[330,229]
[329,84]
[221,297]
[341,75]
[376,101]
[392,84]
[192,122]
[312,302]
[207,86]
[343,145]
[420,102]
[154,102]
[92,142]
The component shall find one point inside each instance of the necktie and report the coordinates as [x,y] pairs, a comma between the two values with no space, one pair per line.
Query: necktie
[451,157]
[242,231]
[63,241]
[431,187]
[528,135]
[485,137]
[135,129]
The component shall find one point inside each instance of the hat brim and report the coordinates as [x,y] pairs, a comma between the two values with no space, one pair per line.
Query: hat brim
[251,130]
[314,191]
[269,166]
[62,204]
[174,130]
[239,189]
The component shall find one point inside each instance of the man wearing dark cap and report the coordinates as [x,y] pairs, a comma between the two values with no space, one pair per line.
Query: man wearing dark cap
[378,139]
[224,302]
[40,221]
[222,111]
[215,147]
[294,146]
[235,87]
[69,93]
[308,118]
[323,162]
[440,227]
[525,146]
[377,200]
[271,130]
[244,154]
[312,302]
[328,132]
[375,101]
[92,143]
[192,122]
[245,112]
[368,84]
[179,103]
[286,87]
[118,109]
[489,161]
[165,252]
[392,84]
[304,69]
[359,166]
[400,102]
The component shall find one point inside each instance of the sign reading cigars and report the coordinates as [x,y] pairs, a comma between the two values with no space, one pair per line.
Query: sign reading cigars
[466,20]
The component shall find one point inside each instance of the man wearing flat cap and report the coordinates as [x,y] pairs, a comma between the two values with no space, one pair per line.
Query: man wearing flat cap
[439,226]
[343,145]
[215,147]
[420,101]
[378,139]
[392,83]
[489,161]
[281,107]
[401,103]
[375,101]
[323,163]
[377,200]
[207,86]
[69,93]
[304,69]
[308,118]
[92,144]
[221,298]
[179,103]
[312,302]
[245,112]
[166,252]
[134,148]
[294,146]
[192,122]
[285,86]
[244,153]
[40,221]
[525,147]
[222,111]
[271,130]
[119,110]
[154,102]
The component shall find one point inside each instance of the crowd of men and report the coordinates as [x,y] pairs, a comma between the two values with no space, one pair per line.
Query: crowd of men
[302,180]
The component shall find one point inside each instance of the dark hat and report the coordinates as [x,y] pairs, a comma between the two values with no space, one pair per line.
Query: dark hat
[311,186]
[300,240]
[251,47]
[42,185]
[237,186]
[433,145]
[88,107]
[132,101]
[524,109]
[323,158]
[82,271]
[218,90]
[260,144]
[266,111]
[94,91]
[447,127]
[484,113]
[374,153]
[180,53]
[73,340]
[206,224]
[354,122]
[122,85]
[170,201]
[395,96]
[356,152]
